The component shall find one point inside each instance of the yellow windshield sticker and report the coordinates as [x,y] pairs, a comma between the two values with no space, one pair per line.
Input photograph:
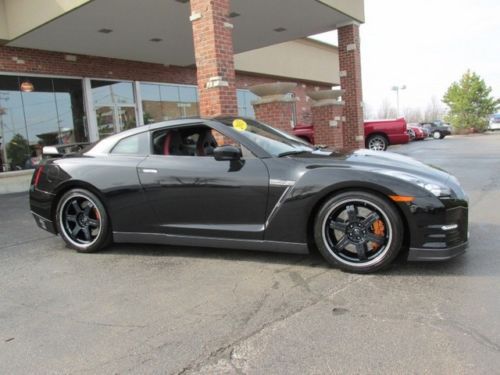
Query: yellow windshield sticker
[240,125]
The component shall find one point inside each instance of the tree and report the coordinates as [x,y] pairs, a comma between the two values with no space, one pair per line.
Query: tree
[386,110]
[412,114]
[470,102]
[18,151]
[434,110]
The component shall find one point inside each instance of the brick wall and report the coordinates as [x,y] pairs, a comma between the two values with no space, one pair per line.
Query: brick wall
[277,114]
[303,103]
[213,49]
[24,60]
[350,80]
[324,134]
[32,61]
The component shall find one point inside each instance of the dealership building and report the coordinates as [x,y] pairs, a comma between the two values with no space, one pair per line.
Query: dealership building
[74,71]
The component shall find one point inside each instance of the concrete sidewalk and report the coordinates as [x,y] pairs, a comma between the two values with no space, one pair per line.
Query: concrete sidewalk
[15,182]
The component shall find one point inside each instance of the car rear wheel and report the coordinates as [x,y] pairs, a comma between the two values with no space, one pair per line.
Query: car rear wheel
[377,143]
[82,221]
[358,231]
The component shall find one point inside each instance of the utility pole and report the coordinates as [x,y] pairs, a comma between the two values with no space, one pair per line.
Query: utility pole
[5,165]
[397,89]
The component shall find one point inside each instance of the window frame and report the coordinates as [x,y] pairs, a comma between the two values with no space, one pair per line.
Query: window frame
[251,154]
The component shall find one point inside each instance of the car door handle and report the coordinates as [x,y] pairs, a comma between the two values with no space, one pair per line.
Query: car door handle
[149,170]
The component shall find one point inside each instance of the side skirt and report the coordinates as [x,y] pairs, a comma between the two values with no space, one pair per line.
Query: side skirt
[167,239]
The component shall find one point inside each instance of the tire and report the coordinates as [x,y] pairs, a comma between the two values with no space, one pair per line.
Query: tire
[442,136]
[436,135]
[377,142]
[82,221]
[359,232]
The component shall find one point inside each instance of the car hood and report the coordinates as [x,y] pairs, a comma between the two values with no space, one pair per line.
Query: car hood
[377,161]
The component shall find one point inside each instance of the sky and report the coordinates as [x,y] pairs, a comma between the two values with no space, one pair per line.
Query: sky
[425,45]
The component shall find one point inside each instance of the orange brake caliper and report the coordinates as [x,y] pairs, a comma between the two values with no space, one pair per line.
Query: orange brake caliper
[379,230]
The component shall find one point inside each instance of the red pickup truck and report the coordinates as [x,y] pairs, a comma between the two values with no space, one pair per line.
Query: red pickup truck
[379,134]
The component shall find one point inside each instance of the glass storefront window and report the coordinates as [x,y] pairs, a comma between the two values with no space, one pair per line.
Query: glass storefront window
[162,102]
[245,99]
[35,112]
[114,106]
[151,103]
[70,110]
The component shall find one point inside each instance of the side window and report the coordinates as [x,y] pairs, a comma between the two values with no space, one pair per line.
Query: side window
[137,144]
[196,140]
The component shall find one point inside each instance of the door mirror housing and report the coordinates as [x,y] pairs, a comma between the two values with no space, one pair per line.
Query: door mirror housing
[227,152]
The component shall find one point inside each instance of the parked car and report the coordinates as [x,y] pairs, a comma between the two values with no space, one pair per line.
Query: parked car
[237,183]
[416,132]
[305,132]
[426,131]
[437,129]
[494,122]
[379,134]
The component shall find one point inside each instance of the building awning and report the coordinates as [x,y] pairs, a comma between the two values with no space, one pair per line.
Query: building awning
[159,31]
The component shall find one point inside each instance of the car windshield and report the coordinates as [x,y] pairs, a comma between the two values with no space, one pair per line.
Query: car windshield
[274,141]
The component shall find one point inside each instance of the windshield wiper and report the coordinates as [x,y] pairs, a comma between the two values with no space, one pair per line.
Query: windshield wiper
[294,152]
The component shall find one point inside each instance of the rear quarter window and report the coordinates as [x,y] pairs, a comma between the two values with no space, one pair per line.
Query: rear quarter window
[137,144]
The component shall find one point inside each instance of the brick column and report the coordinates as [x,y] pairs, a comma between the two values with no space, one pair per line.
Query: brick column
[275,107]
[328,118]
[350,81]
[213,49]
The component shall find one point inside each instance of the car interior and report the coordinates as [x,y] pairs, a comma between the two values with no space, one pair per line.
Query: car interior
[196,140]
[185,141]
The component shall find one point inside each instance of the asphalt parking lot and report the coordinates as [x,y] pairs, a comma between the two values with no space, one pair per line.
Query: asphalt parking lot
[157,309]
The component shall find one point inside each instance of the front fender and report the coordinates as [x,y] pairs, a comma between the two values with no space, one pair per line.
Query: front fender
[290,221]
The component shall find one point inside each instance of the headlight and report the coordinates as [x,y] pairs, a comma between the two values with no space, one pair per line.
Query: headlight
[432,186]
[437,190]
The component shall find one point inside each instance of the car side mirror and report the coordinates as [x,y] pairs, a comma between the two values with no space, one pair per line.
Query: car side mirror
[227,152]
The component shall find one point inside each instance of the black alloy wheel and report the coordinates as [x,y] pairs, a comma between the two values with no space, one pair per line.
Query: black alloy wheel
[82,221]
[360,232]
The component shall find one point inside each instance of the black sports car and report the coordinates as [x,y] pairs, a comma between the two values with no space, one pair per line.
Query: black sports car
[237,183]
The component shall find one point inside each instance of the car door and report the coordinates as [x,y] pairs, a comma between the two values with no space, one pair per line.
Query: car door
[194,195]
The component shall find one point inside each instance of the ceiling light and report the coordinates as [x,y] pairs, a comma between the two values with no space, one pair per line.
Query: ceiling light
[105,31]
[27,86]
[279,29]
[156,40]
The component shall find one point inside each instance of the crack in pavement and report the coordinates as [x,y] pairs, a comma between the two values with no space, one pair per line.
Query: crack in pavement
[226,350]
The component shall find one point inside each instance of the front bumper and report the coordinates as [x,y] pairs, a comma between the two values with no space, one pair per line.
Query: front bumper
[439,228]
[426,254]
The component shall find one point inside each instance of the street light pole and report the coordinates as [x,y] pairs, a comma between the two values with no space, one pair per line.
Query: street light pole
[5,165]
[397,88]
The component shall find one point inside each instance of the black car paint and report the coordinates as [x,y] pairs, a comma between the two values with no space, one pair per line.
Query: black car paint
[261,202]
[432,127]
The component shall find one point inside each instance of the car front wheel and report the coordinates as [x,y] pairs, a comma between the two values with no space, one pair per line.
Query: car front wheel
[437,135]
[358,231]
[82,221]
